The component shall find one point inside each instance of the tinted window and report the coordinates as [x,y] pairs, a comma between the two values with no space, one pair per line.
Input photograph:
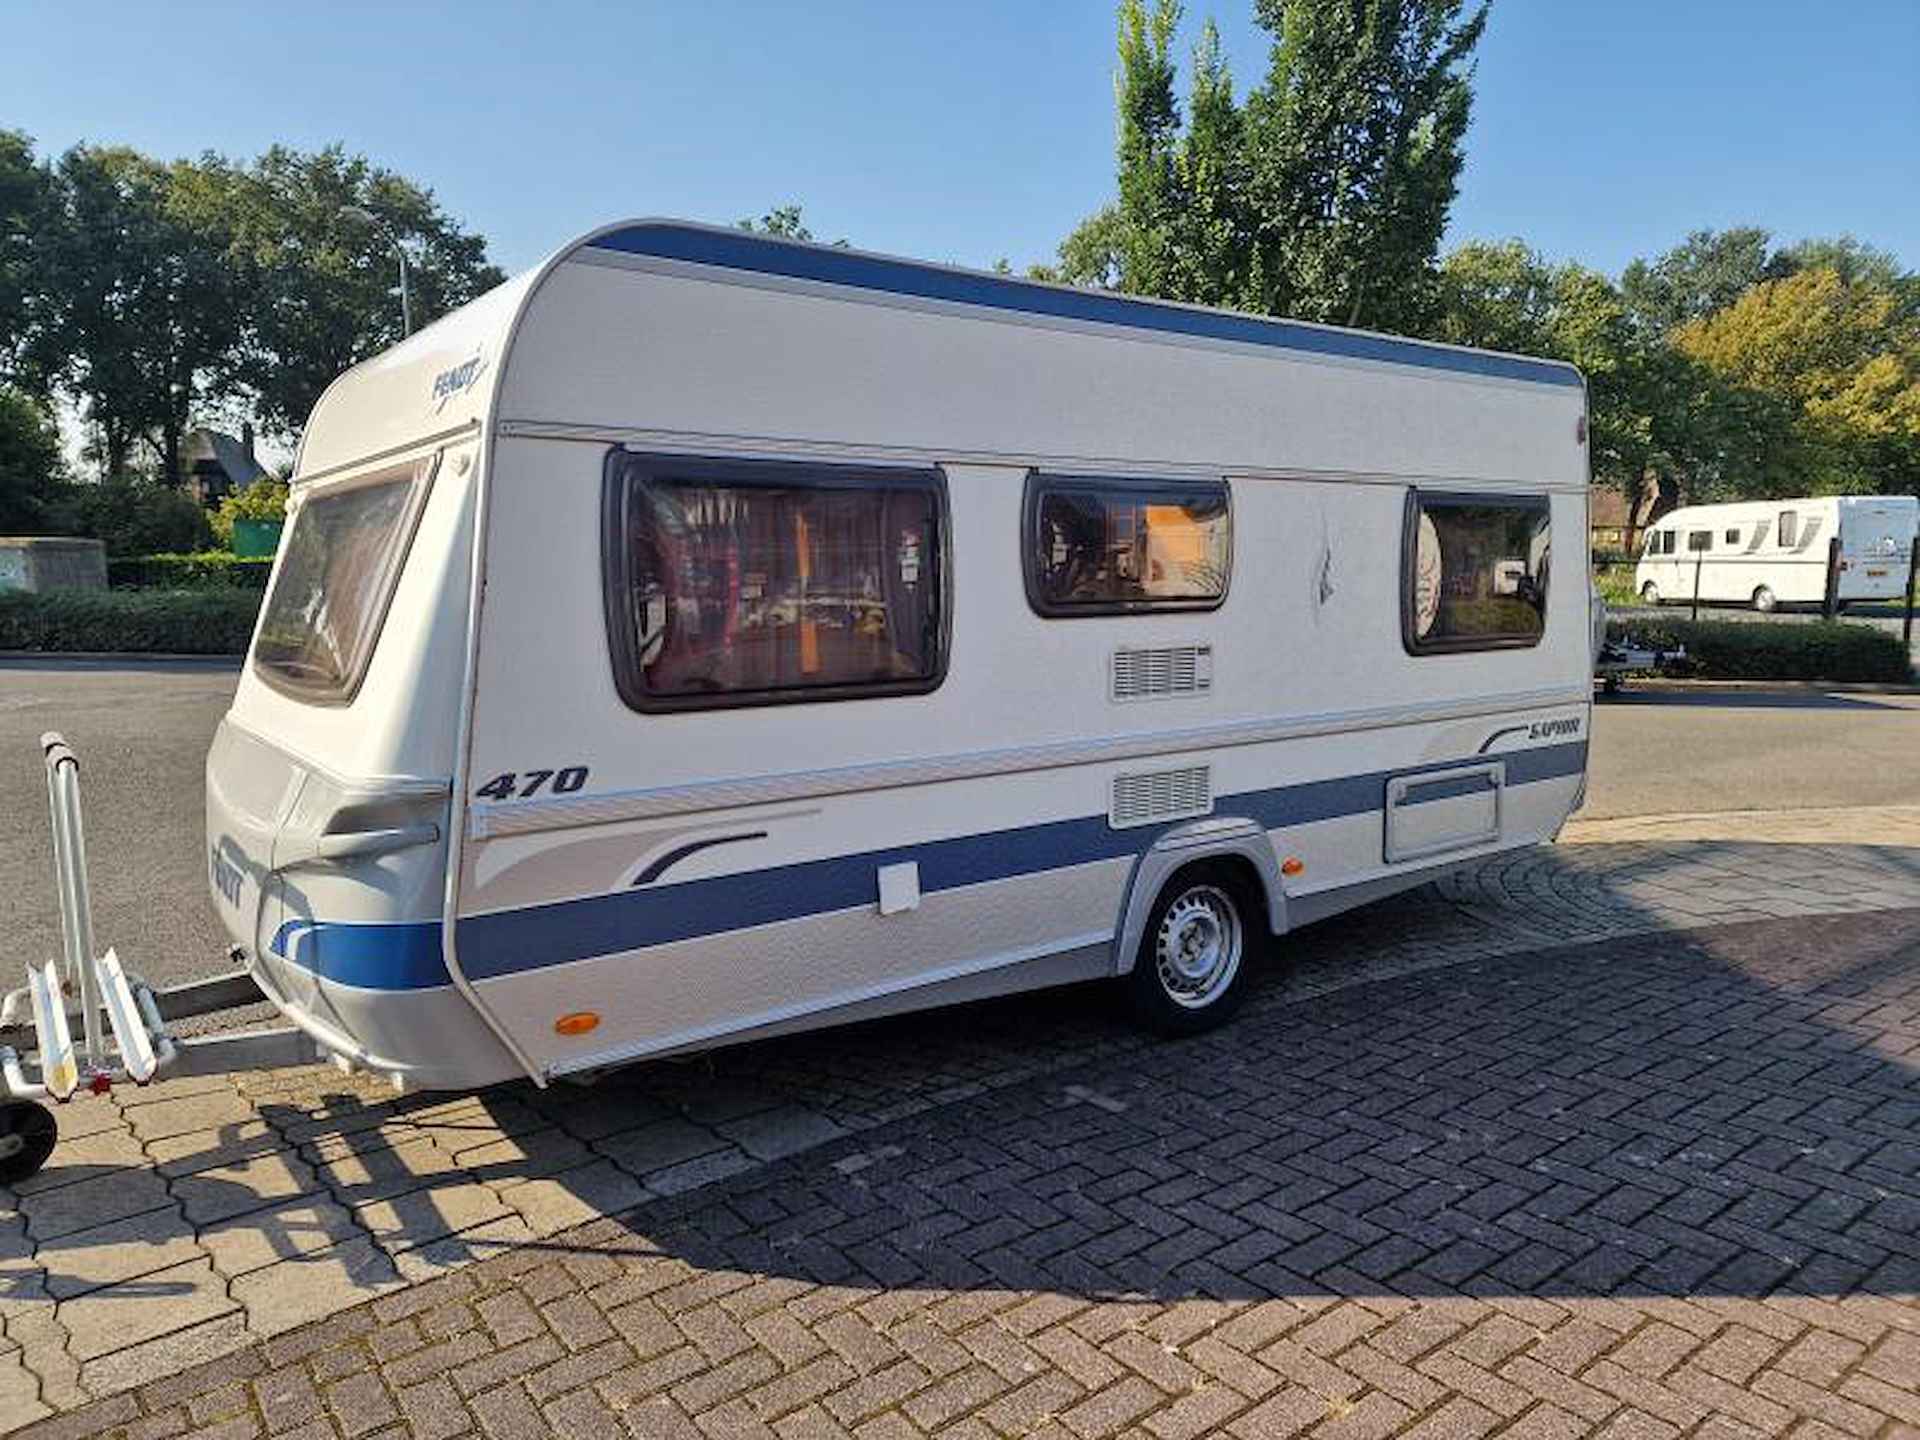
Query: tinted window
[1733,537]
[1476,571]
[1699,540]
[1097,547]
[755,583]
[336,574]
[1789,528]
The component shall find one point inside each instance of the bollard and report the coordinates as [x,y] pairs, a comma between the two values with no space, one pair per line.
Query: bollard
[1913,574]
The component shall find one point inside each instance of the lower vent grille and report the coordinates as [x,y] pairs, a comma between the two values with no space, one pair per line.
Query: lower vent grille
[1161,795]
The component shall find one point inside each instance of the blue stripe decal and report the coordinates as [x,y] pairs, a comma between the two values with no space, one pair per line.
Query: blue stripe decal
[740,251]
[372,957]
[506,942]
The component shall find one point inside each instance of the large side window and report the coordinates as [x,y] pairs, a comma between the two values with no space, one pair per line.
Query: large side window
[341,560]
[1698,540]
[1789,529]
[760,582]
[1475,575]
[1113,546]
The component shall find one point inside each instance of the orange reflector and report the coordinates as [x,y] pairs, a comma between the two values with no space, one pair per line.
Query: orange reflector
[580,1022]
[1292,865]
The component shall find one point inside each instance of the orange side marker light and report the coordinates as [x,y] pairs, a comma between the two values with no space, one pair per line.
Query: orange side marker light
[579,1022]
[1292,865]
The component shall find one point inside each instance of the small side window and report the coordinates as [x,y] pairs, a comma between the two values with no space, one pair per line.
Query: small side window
[1117,546]
[1789,528]
[761,582]
[1733,537]
[1475,571]
[1698,540]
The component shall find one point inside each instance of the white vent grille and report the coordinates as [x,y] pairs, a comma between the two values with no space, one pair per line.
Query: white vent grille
[1161,795]
[1156,674]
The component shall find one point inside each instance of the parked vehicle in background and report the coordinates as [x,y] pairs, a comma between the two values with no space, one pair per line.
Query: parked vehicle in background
[1767,553]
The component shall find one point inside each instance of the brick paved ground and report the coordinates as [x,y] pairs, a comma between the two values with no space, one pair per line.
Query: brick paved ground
[190,1219]
[1661,1185]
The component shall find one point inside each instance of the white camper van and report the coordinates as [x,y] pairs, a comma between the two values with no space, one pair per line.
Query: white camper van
[706,636]
[1774,552]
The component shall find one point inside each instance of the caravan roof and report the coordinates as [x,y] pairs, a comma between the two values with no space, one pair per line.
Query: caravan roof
[584,363]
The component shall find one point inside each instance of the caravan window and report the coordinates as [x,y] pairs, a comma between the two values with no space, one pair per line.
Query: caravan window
[1789,530]
[1475,571]
[1699,540]
[337,570]
[1107,547]
[756,582]
[1733,536]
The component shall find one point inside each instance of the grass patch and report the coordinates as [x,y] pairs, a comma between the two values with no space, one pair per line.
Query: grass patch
[213,621]
[1769,650]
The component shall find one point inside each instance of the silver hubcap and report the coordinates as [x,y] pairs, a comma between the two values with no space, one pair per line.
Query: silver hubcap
[1197,947]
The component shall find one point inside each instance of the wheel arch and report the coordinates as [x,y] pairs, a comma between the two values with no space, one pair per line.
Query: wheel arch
[1241,843]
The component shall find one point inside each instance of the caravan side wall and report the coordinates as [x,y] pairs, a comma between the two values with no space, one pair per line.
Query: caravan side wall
[716,872]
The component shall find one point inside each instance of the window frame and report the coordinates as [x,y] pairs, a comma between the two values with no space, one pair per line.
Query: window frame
[628,673]
[1040,482]
[422,469]
[1409,554]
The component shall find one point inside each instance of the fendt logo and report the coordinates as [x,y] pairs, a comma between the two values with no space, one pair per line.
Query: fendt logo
[458,379]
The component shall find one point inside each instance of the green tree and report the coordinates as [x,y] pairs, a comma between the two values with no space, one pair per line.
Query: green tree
[313,240]
[25,198]
[1706,272]
[1323,196]
[1840,360]
[144,307]
[31,482]
[1354,155]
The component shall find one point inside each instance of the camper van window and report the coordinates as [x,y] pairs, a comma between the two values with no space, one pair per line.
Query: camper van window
[337,572]
[1699,540]
[1476,570]
[753,583]
[1105,547]
[1733,537]
[1789,529]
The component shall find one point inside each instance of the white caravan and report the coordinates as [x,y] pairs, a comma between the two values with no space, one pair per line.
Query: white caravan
[1774,552]
[706,636]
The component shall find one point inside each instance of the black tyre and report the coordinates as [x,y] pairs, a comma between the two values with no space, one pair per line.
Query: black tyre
[1200,939]
[27,1135]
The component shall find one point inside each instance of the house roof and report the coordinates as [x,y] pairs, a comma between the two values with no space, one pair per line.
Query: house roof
[229,453]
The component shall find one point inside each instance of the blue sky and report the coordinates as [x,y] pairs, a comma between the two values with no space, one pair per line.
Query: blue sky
[1603,129]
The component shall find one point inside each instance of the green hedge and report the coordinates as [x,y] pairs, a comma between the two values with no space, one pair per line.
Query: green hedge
[202,570]
[175,622]
[1775,650]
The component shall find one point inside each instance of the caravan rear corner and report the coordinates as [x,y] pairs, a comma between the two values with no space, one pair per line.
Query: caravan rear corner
[707,636]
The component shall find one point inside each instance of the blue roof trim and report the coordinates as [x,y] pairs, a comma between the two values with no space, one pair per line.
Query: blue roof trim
[738,250]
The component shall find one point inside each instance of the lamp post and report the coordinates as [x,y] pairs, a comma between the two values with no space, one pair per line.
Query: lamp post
[356,212]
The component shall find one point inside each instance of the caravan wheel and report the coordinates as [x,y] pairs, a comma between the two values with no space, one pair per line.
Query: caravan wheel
[1764,600]
[27,1135]
[1190,974]
[1650,593]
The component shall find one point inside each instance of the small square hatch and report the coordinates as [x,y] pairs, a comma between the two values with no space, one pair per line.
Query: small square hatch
[1161,795]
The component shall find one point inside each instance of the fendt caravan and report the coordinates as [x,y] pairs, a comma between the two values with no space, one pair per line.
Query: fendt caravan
[1774,552]
[706,636]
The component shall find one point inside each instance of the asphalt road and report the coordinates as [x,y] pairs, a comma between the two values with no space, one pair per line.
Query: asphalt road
[142,734]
